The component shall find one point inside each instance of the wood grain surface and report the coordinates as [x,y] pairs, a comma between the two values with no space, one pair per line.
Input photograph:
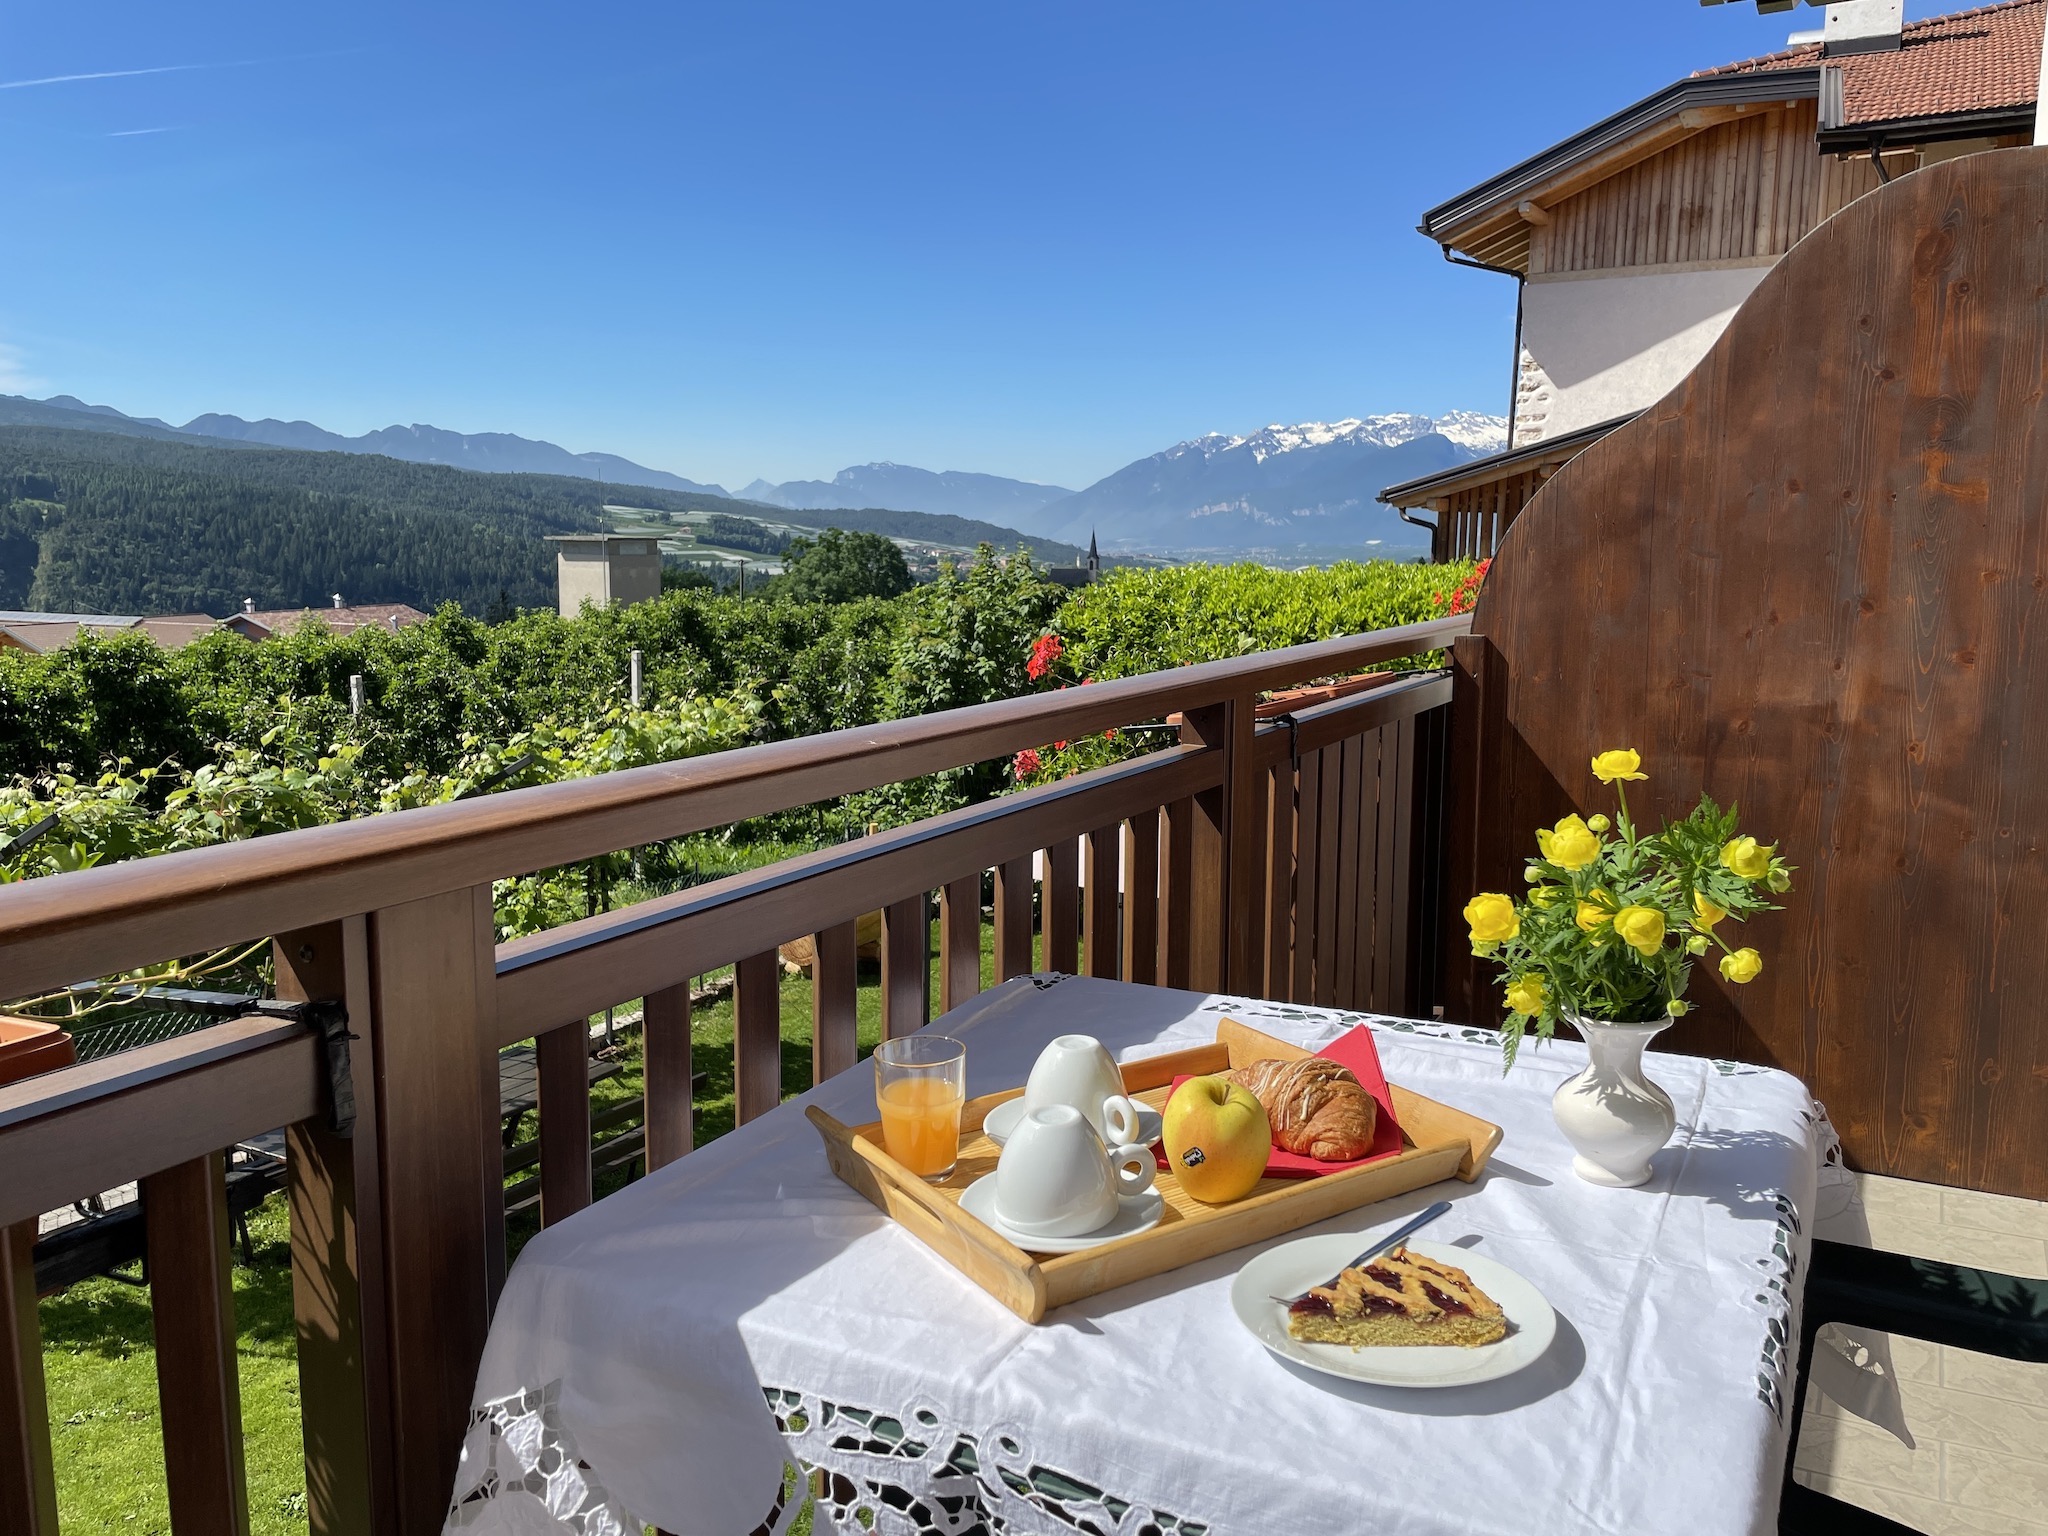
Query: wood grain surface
[1813,579]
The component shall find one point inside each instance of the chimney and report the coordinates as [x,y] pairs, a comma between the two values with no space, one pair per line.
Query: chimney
[337,599]
[1861,26]
[248,605]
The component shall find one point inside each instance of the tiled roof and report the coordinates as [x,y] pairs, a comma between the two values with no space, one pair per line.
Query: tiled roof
[1972,61]
[338,620]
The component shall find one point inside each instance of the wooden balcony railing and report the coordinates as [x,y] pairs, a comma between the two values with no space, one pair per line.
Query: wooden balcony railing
[1294,859]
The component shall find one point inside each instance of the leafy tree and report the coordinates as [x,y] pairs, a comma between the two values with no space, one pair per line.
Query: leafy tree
[686,578]
[839,567]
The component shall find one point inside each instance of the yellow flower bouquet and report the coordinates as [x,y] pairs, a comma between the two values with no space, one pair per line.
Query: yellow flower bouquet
[1613,920]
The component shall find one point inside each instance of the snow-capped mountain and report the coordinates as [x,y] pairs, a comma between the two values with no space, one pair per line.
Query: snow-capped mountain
[1315,482]
[1463,429]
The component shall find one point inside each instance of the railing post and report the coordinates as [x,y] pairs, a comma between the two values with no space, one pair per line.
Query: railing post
[185,1216]
[333,1184]
[1225,944]
[433,1032]
[28,1481]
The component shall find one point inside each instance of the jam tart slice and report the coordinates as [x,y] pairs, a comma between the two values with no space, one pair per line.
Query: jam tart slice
[1399,1298]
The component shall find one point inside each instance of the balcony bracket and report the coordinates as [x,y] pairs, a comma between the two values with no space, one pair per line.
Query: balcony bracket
[329,1019]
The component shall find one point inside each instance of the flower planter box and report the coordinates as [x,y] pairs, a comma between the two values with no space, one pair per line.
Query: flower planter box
[1288,700]
[31,1046]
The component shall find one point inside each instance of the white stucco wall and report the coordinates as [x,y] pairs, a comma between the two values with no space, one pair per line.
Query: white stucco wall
[1599,345]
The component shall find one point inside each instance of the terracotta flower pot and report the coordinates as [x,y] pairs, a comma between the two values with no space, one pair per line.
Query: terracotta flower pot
[31,1046]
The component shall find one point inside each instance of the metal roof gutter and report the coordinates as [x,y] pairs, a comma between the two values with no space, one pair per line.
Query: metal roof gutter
[1900,132]
[1516,183]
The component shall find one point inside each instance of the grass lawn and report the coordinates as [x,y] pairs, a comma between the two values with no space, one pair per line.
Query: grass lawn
[99,1350]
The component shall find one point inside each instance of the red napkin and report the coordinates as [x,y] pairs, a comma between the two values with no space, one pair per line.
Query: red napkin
[1354,1049]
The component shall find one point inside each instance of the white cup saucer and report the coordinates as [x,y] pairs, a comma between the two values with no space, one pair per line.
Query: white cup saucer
[1134,1214]
[1004,1117]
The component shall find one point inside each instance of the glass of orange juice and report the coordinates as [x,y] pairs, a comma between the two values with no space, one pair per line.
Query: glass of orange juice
[920,1084]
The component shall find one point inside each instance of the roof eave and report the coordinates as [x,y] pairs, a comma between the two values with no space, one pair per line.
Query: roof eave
[1416,492]
[1445,221]
[1899,132]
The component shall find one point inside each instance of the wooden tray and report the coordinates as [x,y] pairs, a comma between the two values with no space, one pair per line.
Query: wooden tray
[1441,1143]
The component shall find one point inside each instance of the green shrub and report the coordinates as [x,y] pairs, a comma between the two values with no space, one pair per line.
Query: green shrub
[1135,621]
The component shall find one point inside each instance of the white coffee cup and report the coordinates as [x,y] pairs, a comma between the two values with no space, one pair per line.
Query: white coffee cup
[1056,1179]
[1078,1070]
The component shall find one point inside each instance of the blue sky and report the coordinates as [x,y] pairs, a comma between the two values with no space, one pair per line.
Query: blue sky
[758,238]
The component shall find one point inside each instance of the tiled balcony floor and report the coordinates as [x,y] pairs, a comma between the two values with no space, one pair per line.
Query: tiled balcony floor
[1980,1463]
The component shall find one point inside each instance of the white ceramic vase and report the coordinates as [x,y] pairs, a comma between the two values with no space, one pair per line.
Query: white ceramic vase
[1614,1117]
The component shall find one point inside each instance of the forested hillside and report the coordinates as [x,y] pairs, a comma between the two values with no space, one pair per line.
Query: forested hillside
[110,523]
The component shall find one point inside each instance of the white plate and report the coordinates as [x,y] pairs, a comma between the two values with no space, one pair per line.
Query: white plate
[1293,1267]
[1134,1214]
[1004,1117]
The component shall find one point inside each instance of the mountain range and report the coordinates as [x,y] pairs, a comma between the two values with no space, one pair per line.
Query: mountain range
[1311,484]
[913,490]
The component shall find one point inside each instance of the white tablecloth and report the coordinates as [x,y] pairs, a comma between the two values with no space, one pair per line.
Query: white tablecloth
[675,1354]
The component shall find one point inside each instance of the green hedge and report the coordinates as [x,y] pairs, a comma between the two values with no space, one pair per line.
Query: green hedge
[806,667]
[1146,621]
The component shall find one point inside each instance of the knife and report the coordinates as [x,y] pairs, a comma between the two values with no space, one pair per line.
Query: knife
[1399,1235]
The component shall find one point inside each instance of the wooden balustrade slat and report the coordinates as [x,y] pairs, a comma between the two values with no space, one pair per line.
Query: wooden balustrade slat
[1329,826]
[1478,759]
[1276,968]
[1101,919]
[906,966]
[1244,939]
[333,1188]
[1350,850]
[432,1027]
[1396,789]
[1141,898]
[1208,908]
[835,999]
[1014,891]
[185,1215]
[1062,925]
[959,941]
[587,965]
[668,1068]
[756,1035]
[28,1480]
[1176,890]
[1307,852]
[108,919]
[1371,746]
[562,1064]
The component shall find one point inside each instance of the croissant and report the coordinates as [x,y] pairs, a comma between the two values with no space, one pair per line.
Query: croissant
[1317,1108]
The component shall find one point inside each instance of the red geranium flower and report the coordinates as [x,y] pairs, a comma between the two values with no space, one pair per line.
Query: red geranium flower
[1045,650]
[1024,764]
